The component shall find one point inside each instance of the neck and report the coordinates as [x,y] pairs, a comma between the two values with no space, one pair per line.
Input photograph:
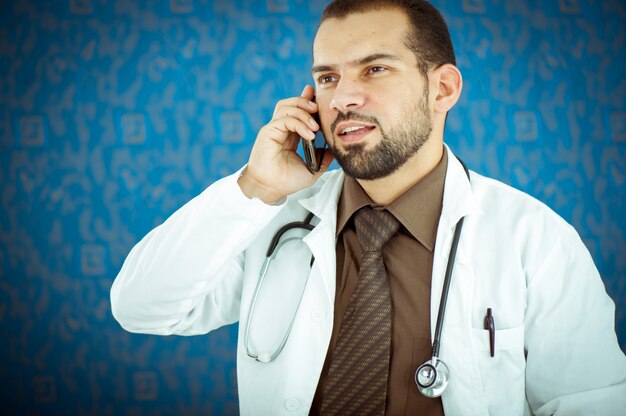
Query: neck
[385,190]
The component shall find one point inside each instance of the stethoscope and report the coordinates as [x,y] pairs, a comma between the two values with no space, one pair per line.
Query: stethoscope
[275,245]
[432,377]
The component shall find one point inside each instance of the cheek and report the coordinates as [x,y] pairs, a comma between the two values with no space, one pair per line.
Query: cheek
[401,106]
[390,98]
[326,116]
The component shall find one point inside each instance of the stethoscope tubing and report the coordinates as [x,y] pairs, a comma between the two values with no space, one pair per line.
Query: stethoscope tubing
[274,245]
[306,224]
[432,364]
[446,289]
[447,279]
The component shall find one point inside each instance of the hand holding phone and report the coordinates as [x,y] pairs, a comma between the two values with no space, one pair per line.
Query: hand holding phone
[275,169]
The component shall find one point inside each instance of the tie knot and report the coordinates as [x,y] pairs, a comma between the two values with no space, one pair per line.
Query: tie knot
[374,228]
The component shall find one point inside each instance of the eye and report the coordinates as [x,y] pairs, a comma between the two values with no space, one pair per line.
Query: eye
[376,69]
[327,78]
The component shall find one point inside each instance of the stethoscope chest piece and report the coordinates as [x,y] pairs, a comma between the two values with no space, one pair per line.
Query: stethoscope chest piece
[432,378]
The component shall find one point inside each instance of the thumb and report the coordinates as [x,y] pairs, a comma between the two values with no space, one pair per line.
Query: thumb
[326,162]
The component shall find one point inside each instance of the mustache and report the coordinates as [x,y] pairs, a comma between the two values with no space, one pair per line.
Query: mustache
[353,116]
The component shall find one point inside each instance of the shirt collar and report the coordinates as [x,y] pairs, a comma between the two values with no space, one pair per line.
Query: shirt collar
[418,209]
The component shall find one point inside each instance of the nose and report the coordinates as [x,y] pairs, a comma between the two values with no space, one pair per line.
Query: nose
[348,95]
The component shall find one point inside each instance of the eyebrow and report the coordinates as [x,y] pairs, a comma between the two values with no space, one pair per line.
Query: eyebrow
[362,61]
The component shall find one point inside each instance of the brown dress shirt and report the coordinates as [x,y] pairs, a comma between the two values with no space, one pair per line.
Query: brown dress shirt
[408,258]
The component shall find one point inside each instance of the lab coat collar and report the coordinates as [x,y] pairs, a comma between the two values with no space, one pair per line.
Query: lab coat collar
[458,198]
[323,204]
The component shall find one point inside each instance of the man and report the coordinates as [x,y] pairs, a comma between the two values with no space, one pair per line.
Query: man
[384,81]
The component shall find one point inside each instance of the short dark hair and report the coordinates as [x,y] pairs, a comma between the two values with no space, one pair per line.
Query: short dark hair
[428,38]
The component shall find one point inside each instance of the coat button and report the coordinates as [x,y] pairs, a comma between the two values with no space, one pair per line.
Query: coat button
[292,404]
[318,315]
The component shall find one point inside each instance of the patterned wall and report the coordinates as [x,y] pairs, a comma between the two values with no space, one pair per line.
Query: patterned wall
[113,113]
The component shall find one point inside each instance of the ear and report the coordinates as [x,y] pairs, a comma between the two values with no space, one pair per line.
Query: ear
[448,84]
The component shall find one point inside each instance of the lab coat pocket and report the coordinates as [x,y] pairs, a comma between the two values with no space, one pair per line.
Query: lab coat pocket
[502,375]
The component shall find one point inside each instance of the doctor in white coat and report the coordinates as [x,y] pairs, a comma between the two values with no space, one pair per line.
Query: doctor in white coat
[556,350]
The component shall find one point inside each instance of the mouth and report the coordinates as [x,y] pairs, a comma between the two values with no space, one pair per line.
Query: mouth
[351,132]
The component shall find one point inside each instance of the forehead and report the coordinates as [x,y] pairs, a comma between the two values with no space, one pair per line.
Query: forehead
[361,34]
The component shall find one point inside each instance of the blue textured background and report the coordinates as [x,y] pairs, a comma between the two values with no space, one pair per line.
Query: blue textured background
[113,113]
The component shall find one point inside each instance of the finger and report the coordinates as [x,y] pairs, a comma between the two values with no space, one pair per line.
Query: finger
[279,129]
[300,114]
[298,102]
[308,92]
[326,162]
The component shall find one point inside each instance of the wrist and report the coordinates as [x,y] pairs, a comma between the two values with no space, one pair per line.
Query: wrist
[252,188]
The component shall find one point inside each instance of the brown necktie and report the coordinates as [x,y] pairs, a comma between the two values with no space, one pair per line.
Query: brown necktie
[357,378]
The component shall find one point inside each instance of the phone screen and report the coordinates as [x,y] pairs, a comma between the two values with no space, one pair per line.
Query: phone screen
[314,150]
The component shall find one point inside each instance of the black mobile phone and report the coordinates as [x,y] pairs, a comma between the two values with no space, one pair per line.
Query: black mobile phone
[314,149]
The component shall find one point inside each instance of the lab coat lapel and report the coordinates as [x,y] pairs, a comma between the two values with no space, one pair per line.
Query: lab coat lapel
[456,350]
[458,202]
[321,240]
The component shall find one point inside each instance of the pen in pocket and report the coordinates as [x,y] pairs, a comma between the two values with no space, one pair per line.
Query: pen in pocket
[491,327]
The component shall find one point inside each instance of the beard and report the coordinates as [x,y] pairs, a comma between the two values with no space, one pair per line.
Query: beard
[396,147]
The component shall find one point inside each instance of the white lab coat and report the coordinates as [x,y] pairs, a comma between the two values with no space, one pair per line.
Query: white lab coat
[556,347]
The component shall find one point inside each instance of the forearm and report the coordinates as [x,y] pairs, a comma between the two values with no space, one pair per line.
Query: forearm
[169,281]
